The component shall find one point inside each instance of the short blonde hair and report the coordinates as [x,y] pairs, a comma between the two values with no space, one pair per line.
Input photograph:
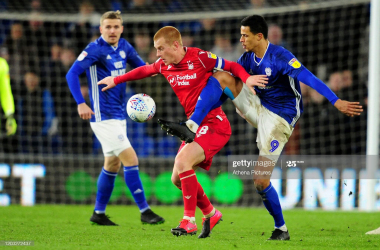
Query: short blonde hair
[111,15]
[170,34]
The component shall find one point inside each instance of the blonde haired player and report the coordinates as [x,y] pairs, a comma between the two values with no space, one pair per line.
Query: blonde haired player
[107,56]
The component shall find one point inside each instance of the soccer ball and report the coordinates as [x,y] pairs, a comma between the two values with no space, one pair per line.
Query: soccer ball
[141,108]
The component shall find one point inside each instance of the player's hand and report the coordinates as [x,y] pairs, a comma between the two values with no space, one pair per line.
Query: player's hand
[85,111]
[349,108]
[11,125]
[256,80]
[109,81]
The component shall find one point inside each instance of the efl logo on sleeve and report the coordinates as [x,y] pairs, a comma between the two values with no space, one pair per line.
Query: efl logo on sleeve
[211,55]
[295,63]
[82,55]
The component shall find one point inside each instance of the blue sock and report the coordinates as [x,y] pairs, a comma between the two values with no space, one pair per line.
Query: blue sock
[209,96]
[132,179]
[106,182]
[272,204]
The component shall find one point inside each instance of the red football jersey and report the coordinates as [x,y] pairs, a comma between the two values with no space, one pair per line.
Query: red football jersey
[189,76]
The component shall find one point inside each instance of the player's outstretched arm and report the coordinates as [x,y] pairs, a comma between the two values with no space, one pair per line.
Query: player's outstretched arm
[349,108]
[136,74]
[108,81]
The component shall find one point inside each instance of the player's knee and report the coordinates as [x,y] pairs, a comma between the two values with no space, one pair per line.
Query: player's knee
[129,157]
[261,184]
[181,165]
[176,182]
[225,79]
[131,162]
[112,164]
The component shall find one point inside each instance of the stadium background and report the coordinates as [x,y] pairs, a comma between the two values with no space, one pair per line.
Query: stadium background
[41,39]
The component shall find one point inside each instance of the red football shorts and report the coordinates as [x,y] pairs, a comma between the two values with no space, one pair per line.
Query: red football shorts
[213,133]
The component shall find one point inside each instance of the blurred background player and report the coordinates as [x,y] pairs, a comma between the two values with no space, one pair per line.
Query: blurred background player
[273,109]
[36,116]
[107,56]
[188,70]
[6,98]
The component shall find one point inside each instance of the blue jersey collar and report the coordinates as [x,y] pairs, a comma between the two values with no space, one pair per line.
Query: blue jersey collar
[254,55]
[114,48]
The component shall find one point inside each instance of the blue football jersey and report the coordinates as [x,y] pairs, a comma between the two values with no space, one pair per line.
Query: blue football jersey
[282,94]
[100,60]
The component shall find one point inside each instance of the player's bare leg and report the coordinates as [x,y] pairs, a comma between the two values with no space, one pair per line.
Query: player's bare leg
[211,217]
[184,178]
[190,156]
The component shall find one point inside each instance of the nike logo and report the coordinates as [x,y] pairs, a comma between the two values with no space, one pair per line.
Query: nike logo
[188,228]
[169,67]
[188,197]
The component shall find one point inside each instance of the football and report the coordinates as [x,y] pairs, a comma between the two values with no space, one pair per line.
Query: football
[141,107]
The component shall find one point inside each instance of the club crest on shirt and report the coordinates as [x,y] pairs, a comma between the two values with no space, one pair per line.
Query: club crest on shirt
[268,71]
[191,66]
[82,55]
[122,54]
[295,63]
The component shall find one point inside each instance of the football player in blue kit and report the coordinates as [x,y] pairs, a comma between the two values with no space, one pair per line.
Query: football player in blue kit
[108,56]
[274,109]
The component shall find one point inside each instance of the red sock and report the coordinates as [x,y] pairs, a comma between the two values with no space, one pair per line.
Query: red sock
[189,192]
[203,202]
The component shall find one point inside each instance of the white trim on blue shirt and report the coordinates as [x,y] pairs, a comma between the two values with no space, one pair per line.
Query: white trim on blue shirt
[114,48]
[254,55]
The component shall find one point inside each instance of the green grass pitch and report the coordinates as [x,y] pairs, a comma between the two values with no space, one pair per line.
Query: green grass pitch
[68,227]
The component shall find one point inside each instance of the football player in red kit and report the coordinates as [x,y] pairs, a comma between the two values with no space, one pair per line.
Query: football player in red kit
[188,70]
